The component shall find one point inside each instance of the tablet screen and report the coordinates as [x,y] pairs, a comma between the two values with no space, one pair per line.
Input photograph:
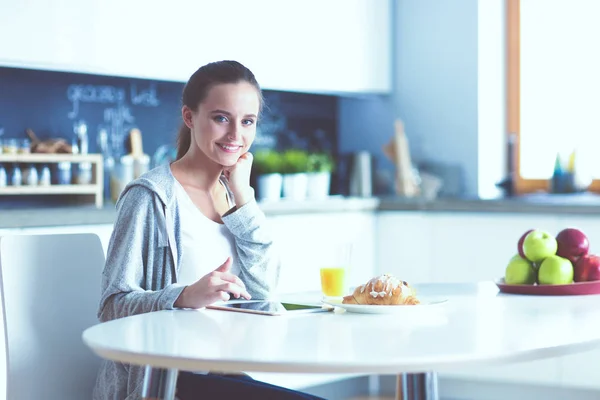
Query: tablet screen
[269,307]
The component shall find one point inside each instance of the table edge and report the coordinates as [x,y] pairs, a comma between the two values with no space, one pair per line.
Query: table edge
[420,365]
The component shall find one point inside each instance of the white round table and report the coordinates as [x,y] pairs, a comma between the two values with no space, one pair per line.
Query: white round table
[476,326]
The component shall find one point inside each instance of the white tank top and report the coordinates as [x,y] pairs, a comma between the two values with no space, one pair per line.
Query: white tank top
[206,244]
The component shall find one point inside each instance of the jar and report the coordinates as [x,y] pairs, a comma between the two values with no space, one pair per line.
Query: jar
[141,165]
[122,174]
[11,146]
[63,175]
[25,146]
[127,171]
[84,173]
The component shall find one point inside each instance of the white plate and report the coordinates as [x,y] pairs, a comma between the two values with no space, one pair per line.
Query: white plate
[371,309]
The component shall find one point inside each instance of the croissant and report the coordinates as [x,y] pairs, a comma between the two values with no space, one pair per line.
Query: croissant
[383,290]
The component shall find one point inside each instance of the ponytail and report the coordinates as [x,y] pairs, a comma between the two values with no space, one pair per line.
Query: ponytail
[184,140]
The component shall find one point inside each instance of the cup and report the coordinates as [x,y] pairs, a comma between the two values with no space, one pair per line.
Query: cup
[335,269]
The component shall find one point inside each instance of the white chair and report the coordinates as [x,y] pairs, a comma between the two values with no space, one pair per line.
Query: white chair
[50,288]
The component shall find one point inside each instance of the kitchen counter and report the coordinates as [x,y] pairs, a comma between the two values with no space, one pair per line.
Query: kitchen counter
[587,204]
[580,204]
[89,215]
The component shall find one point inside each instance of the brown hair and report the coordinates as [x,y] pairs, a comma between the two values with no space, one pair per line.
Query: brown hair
[200,83]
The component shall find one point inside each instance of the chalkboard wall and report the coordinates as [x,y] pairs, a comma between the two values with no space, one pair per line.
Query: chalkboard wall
[51,102]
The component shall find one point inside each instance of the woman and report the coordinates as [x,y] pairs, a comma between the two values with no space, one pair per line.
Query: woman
[190,233]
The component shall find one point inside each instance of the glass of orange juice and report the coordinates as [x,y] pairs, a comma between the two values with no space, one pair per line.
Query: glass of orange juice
[334,272]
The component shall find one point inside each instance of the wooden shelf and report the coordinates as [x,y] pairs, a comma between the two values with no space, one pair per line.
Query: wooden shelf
[50,158]
[96,188]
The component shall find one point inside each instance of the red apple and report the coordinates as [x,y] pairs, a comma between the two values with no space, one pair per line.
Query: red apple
[520,244]
[572,244]
[587,268]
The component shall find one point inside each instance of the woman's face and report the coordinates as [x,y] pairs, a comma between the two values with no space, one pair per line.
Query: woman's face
[224,125]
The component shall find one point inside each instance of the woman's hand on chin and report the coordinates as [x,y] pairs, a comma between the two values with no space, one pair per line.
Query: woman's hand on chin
[238,176]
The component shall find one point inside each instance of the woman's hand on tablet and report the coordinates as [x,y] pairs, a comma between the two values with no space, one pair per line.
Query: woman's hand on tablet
[220,284]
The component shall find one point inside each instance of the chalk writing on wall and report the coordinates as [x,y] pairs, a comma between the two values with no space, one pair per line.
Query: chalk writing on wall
[103,94]
[92,94]
[118,117]
[144,97]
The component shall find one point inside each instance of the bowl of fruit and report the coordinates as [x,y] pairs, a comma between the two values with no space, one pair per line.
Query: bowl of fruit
[552,265]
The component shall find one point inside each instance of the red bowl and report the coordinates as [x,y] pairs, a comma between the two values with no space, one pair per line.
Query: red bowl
[571,289]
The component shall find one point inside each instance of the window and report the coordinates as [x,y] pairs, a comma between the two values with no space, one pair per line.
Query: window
[553,88]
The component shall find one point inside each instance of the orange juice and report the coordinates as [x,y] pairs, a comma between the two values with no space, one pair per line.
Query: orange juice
[333,281]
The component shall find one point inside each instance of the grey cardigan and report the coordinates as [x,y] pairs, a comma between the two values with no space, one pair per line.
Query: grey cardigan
[140,274]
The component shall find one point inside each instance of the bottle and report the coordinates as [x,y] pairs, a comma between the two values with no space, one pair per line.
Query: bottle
[16,178]
[109,165]
[3,177]
[45,179]
[81,139]
[32,176]
[109,161]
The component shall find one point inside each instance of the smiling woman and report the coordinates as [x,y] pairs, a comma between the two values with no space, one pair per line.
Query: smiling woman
[190,233]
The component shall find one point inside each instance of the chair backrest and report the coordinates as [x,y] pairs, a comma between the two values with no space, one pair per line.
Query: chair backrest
[50,288]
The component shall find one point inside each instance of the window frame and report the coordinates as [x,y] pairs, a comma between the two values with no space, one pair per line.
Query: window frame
[513,102]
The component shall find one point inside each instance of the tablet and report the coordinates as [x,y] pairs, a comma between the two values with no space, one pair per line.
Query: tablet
[269,307]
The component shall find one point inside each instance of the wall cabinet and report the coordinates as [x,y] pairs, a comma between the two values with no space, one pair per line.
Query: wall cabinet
[336,46]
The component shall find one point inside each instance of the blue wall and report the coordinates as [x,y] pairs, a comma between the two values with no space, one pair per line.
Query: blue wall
[366,123]
[436,72]
[435,94]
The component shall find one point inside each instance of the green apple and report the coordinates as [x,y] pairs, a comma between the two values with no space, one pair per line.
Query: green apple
[555,270]
[538,245]
[519,271]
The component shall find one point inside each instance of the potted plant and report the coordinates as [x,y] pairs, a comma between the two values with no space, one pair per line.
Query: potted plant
[268,164]
[320,166]
[295,179]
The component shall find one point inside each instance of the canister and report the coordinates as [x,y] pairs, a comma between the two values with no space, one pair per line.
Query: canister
[63,175]
[361,175]
[84,173]
[141,165]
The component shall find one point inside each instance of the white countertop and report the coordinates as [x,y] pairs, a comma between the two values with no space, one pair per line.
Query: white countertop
[329,204]
[477,326]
